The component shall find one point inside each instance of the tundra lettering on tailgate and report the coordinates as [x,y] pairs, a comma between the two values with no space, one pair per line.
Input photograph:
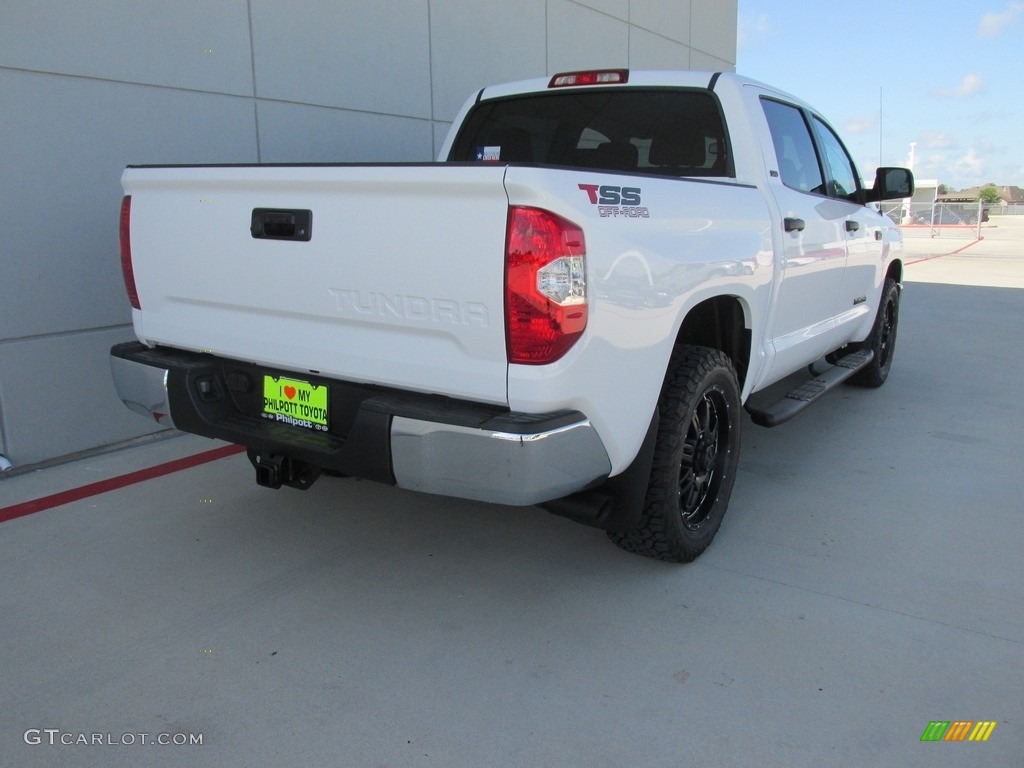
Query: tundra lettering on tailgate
[422,309]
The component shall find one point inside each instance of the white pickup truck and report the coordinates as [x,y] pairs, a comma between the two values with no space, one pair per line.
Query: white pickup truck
[569,309]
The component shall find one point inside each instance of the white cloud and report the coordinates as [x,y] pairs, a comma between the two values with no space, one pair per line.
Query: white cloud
[969,86]
[993,24]
[988,116]
[987,146]
[859,125]
[970,165]
[932,166]
[937,139]
[752,29]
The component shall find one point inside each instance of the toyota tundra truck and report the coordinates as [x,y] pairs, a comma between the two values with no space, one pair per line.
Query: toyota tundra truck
[571,308]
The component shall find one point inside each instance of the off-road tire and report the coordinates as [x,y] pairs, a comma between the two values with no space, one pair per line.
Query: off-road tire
[882,340]
[695,457]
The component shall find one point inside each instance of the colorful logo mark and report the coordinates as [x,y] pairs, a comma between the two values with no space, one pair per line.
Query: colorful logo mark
[958,730]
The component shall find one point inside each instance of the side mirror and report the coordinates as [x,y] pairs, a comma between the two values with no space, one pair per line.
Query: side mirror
[891,184]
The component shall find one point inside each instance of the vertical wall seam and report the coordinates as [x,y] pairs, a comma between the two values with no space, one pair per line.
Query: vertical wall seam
[3,428]
[689,40]
[547,38]
[430,79]
[629,33]
[252,65]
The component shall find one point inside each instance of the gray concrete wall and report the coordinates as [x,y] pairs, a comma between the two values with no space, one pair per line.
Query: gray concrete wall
[87,88]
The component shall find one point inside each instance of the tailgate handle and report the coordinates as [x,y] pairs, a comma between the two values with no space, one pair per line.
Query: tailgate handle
[281,224]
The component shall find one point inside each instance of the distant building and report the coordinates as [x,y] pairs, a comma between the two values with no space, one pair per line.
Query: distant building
[1008,195]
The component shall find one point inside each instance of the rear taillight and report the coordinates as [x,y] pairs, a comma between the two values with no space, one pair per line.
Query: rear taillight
[545,286]
[126,252]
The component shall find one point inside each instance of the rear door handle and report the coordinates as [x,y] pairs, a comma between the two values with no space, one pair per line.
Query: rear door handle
[793,225]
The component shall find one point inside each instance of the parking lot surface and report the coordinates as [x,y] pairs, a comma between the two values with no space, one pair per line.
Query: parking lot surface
[865,583]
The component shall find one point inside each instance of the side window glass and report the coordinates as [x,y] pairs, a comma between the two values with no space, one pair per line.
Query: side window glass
[844,174]
[794,149]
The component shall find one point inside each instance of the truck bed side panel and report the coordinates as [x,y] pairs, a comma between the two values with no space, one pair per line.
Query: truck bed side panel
[678,242]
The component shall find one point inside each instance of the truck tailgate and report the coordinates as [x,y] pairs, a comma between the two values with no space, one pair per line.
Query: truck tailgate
[399,284]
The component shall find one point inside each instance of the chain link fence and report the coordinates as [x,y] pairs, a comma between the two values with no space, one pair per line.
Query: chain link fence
[1011,209]
[938,219]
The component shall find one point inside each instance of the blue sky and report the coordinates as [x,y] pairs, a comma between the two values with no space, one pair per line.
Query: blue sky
[946,75]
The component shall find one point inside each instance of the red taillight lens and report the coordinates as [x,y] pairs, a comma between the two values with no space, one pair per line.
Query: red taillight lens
[126,252]
[545,286]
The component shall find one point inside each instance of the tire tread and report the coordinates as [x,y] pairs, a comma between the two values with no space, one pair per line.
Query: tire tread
[658,534]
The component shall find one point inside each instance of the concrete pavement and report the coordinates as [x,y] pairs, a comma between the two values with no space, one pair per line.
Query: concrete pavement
[995,260]
[866,582]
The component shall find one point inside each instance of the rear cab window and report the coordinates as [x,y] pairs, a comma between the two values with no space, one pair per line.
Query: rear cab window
[659,131]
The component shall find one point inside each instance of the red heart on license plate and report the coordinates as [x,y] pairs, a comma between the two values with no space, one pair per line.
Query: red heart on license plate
[289,392]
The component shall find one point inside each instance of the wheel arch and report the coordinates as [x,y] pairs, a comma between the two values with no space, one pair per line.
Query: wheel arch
[895,271]
[722,323]
[719,322]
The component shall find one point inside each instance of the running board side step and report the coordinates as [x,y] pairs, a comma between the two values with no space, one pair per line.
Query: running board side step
[808,392]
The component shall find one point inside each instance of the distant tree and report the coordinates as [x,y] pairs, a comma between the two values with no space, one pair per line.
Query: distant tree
[943,189]
[989,194]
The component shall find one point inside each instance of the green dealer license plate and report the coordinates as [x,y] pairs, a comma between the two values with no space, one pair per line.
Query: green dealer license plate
[295,402]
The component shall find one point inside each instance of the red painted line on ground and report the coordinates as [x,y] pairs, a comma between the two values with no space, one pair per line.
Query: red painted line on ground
[938,226]
[951,253]
[113,483]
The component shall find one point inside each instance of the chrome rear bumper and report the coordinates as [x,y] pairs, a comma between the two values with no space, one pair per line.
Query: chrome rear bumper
[419,442]
[143,388]
[519,468]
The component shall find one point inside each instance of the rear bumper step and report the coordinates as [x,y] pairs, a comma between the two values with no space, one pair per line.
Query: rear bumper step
[420,442]
[807,393]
